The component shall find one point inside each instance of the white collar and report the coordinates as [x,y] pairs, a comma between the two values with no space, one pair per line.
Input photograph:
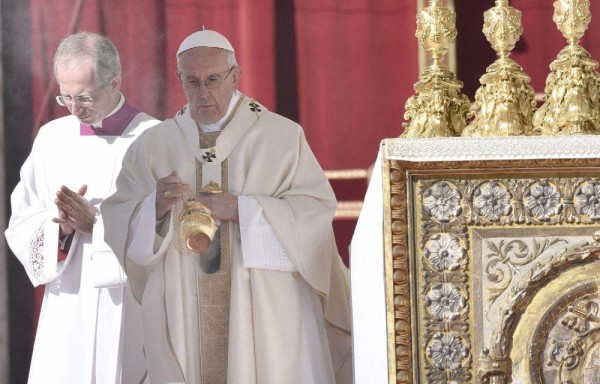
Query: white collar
[217,126]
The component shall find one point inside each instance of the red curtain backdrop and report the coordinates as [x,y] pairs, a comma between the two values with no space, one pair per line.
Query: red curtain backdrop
[357,62]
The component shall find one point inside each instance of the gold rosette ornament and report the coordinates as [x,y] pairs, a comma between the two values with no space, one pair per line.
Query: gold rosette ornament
[439,109]
[572,87]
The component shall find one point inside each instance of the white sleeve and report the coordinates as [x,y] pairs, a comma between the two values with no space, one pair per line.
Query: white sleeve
[31,233]
[260,247]
[107,270]
[145,245]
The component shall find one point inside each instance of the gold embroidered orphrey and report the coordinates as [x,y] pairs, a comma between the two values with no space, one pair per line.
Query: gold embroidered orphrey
[491,271]
[214,291]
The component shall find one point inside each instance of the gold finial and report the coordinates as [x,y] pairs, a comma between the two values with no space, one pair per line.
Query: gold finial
[572,18]
[211,187]
[572,105]
[438,109]
[504,103]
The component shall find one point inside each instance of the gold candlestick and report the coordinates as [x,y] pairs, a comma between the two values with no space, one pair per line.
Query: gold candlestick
[505,101]
[572,87]
[438,109]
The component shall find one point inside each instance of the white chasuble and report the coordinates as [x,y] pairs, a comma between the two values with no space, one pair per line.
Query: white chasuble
[283,326]
[78,339]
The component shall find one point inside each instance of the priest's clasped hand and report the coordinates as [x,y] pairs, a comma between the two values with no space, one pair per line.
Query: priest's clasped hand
[74,211]
[169,190]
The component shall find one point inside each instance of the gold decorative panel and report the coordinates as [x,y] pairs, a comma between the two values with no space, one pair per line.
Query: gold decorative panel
[491,265]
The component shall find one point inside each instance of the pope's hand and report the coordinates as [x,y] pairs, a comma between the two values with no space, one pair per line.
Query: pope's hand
[74,211]
[223,206]
[169,190]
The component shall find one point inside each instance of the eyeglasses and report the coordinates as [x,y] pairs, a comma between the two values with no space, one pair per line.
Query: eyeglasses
[82,100]
[212,83]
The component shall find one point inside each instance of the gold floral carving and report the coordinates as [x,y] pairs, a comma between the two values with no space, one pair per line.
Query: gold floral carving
[505,258]
[431,207]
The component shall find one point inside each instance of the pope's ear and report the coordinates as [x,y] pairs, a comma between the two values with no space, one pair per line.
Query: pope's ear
[236,73]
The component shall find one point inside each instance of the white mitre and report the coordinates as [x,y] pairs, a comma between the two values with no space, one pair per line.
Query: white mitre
[205,38]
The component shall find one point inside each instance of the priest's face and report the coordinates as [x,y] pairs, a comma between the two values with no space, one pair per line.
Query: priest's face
[208,82]
[77,83]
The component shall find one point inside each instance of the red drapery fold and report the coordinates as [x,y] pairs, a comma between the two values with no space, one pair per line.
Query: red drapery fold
[357,62]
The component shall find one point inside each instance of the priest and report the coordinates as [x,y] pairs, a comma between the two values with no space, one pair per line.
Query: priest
[56,229]
[267,301]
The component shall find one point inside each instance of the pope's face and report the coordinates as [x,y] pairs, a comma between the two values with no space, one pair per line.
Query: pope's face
[200,66]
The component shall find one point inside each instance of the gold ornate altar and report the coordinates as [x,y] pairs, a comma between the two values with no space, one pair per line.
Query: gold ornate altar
[491,259]
[489,219]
